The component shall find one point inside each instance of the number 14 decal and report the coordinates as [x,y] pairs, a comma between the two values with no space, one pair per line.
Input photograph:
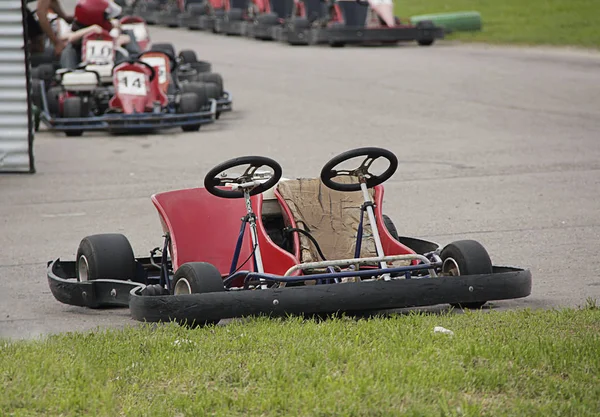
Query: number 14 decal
[132,83]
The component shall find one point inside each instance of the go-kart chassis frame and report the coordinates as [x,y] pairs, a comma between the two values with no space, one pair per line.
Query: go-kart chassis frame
[352,35]
[164,119]
[503,283]
[327,296]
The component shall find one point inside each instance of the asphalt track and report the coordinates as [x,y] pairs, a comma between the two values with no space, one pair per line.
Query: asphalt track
[496,144]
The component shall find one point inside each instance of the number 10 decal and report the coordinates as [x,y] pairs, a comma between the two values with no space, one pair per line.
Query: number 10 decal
[131,83]
[99,51]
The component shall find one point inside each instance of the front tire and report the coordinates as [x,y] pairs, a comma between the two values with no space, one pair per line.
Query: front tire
[466,257]
[105,256]
[197,278]
[73,108]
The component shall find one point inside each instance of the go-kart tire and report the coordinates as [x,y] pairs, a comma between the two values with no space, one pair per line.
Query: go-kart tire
[213,78]
[426,41]
[452,22]
[52,98]
[212,91]
[471,258]
[197,9]
[154,290]
[36,93]
[390,226]
[234,15]
[45,72]
[197,88]
[197,278]
[190,103]
[73,108]
[164,47]
[202,66]
[105,256]
[188,56]
[267,19]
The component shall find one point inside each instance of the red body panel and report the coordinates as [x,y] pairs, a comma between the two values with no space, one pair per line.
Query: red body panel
[129,103]
[164,85]
[205,228]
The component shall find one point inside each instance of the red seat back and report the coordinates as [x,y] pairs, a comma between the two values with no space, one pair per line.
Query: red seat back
[205,228]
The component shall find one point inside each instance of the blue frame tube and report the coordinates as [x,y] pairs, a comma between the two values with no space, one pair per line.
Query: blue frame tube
[360,273]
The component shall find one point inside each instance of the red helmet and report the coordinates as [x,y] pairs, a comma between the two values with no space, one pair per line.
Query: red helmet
[96,12]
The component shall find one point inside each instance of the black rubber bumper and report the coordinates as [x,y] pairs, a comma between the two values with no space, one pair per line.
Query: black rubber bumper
[353,35]
[504,283]
[93,294]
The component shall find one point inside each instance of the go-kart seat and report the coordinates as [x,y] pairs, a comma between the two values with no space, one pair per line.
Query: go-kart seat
[205,228]
[353,13]
[332,219]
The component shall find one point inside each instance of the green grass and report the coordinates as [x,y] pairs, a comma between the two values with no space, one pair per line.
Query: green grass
[524,363]
[530,22]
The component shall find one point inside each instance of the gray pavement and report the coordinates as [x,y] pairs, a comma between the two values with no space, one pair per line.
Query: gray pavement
[497,144]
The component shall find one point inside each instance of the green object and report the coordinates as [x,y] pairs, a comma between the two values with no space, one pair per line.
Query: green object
[453,22]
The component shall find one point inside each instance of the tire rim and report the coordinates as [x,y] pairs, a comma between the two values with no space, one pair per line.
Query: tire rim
[450,268]
[83,268]
[182,287]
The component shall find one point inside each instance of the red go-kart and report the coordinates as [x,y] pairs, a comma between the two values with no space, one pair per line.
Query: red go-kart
[304,246]
[140,102]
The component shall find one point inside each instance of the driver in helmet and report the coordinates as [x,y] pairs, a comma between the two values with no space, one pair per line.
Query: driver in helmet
[95,16]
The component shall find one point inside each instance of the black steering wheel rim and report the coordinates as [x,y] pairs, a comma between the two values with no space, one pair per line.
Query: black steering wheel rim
[138,61]
[211,181]
[371,153]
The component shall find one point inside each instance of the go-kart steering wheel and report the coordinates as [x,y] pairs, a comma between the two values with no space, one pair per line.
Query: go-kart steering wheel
[137,61]
[362,172]
[215,178]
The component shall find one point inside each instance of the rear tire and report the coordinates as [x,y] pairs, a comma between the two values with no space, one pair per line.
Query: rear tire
[188,56]
[197,88]
[202,66]
[390,226]
[190,103]
[466,257]
[105,256]
[52,98]
[212,78]
[36,93]
[73,108]
[233,15]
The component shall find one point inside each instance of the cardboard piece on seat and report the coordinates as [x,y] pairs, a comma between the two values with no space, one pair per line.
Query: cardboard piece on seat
[331,217]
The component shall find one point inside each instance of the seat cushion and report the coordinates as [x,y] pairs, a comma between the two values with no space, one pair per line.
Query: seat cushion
[331,217]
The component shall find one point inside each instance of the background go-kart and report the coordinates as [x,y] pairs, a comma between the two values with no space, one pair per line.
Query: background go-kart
[497,144]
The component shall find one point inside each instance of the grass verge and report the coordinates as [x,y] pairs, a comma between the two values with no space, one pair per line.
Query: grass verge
[525,363]
[532,22]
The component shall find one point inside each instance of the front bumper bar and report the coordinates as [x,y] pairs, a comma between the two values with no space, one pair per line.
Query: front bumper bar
[502,284]
[130,122]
